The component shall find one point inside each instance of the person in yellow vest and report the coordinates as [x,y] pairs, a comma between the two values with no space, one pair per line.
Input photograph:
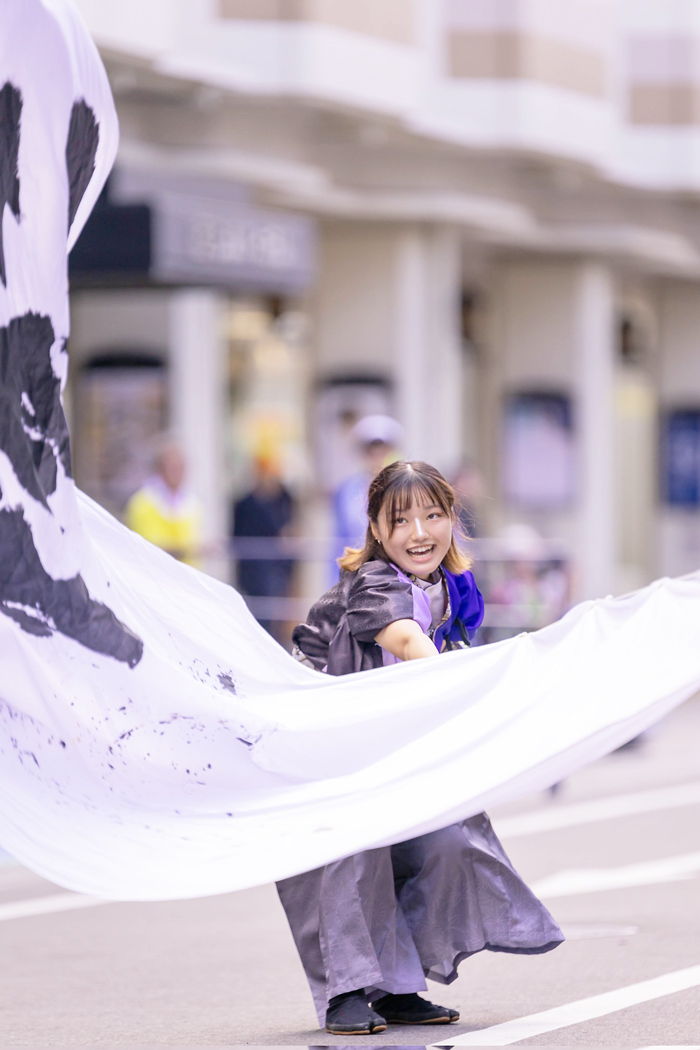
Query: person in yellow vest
[164,511]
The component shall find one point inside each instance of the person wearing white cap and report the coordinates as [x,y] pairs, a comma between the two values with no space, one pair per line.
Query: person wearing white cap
[379,439]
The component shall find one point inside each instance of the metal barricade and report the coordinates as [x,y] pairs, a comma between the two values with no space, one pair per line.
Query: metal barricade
[542,576]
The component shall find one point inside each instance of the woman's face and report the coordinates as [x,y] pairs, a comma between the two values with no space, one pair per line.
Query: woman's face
[417,539]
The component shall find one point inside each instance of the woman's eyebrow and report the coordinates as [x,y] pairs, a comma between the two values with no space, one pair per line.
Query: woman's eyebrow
[423,506]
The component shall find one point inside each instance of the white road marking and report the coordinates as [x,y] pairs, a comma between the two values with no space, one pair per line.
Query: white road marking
[573,881]
[553,817]
[545,819]
[575,1013]
[47,905]
[587,931]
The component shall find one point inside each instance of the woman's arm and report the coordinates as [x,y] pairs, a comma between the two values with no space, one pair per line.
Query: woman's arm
[405,640]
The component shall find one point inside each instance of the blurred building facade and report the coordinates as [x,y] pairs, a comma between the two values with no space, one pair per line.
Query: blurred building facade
[481,216]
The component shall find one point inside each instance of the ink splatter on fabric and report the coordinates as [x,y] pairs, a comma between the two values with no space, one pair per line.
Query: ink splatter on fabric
[226,679]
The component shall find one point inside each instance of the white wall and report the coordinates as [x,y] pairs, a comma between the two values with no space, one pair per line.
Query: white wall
[381,77]
[119,319]
[387,304]
[679,375]
[354,310]
[535,300]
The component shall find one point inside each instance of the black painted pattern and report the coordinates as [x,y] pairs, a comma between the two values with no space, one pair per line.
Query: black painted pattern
[81,150]
[33,429]
[10,113]
[43,606]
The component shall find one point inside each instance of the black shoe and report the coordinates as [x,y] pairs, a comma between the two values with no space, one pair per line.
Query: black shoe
[411,1009]
[351,1014]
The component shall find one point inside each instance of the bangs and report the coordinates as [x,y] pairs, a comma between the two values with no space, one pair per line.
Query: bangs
[406,488]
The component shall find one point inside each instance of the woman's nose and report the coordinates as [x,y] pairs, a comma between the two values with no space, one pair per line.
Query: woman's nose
[418,528]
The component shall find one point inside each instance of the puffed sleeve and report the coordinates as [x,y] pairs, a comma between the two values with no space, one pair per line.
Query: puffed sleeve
[312,639]
[378,596]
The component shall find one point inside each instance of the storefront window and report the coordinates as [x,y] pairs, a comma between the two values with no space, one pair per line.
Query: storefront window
[268,379]
[120,403]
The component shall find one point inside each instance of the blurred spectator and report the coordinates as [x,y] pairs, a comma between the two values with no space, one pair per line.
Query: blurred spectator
[163,510]
[264,513]
[533,590]
[378,439]
[469,492]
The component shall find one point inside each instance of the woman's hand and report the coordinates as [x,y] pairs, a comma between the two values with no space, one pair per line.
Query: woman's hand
[405,640]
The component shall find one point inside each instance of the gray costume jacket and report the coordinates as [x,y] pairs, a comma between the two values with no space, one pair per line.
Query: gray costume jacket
[338,636]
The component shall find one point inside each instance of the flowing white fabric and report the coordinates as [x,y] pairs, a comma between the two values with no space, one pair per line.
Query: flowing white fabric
[154,741]
[172,785]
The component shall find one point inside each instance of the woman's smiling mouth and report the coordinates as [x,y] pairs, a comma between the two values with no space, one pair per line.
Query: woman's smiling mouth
[420,552]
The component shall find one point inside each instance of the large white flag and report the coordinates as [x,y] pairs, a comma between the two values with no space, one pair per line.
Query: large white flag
[154,741]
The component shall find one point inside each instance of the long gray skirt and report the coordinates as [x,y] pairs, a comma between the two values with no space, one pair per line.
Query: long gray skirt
[386,919]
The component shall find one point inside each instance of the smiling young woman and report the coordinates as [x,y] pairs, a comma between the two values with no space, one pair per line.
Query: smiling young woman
[370,928]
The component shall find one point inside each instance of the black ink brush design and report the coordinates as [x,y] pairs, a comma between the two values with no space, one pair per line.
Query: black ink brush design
[81,150]
[10,113]
[33,429]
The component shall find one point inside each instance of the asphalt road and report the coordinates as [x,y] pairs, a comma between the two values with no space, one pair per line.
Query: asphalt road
[616,856]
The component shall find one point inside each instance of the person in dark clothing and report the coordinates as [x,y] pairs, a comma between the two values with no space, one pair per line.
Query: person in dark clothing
[263,514]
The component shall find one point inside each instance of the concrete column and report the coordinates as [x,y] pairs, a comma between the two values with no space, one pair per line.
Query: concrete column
[197,363]
[428,353]
[594,364]
[410,364]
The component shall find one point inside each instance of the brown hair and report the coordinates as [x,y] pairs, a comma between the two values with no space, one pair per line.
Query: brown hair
[392,491]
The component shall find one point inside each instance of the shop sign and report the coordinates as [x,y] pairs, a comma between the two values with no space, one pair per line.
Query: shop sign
[230,243]
[681,458]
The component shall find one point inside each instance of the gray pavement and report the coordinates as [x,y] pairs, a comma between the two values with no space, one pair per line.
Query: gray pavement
[223,971]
